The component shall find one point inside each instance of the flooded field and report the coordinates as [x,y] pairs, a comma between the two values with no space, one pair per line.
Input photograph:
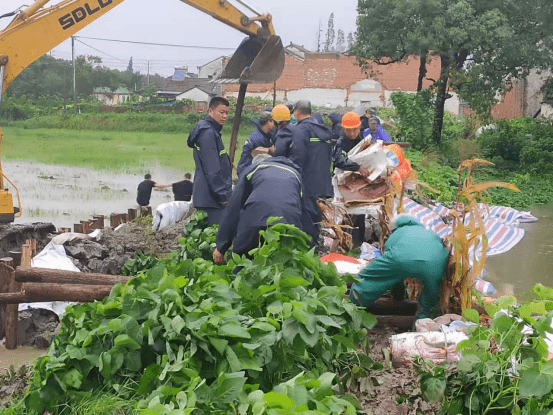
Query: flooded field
[66,195]
[528,263]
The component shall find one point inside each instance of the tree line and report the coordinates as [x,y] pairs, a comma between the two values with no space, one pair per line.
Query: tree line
[53,77]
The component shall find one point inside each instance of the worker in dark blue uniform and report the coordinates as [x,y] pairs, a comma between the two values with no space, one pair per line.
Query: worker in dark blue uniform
[336,127]
[350,136]
[271,188]
[310,147]
[263,136]
[284,130]
[212,180]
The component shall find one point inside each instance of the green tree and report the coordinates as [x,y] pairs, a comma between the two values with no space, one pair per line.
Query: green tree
[482,45]
[350,40]
[340,41]
[330,34]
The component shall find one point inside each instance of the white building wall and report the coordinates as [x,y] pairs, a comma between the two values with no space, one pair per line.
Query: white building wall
[320,96]
[546,111]
[211,69]
[194,94]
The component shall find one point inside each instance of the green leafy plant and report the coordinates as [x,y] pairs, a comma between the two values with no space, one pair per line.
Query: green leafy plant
[504,368]
[195,336]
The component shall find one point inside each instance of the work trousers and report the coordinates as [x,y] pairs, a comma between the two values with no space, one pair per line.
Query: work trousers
[214,215]
[385,272]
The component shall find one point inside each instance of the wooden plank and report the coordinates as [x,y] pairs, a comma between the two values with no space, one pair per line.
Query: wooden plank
[64,230]
[77,228]
[65,292]
[44,275]
[10,324]
[12,298]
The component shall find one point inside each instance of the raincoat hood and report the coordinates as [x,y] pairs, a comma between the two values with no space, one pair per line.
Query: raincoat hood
[319,130]
[335,118]
[207,122]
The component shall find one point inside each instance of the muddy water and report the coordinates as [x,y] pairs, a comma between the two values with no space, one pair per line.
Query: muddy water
[528,263]
[66,195]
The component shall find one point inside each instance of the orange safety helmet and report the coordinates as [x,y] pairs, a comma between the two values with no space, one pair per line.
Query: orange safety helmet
[351,120]
[281,113]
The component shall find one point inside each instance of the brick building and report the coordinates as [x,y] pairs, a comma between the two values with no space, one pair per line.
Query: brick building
[335,80]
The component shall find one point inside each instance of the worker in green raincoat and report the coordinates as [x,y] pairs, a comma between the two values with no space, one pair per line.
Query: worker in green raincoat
[410,251]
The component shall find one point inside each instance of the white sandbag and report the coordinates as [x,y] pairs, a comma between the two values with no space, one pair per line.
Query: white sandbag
[170,213]
[435,345]
[53,257]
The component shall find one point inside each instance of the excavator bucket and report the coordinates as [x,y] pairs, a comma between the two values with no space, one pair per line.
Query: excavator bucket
[255,61]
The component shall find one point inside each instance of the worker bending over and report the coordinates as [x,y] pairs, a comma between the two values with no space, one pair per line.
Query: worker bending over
[410,251]
[263,136]
[271,188]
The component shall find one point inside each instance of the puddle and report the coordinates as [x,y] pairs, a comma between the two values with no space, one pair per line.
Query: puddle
[66,195]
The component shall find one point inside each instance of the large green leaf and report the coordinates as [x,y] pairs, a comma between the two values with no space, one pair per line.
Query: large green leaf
[535,383]
[234,330]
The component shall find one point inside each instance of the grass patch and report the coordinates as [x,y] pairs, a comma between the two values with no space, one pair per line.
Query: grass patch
[103,150]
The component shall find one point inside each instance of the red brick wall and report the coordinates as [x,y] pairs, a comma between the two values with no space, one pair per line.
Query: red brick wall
[327,70]
[511,104]
[333,71]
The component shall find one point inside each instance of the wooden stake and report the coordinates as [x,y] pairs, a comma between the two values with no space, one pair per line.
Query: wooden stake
[16,256]
[86,226]
[10,324]
[29,274]
[132,213]
[114,220]
[26,255]
[4,289]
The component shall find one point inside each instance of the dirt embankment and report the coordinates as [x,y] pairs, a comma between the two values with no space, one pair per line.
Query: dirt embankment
[109,253]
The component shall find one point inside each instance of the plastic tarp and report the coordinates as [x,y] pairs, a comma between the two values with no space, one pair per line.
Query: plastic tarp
[53,257]
[168,214]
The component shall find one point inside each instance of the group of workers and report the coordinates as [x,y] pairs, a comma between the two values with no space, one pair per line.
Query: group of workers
[284,169]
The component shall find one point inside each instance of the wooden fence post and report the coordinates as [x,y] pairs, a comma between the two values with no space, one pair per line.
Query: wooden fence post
[10,323]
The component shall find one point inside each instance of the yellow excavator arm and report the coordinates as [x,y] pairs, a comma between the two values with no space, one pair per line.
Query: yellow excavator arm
[36,30]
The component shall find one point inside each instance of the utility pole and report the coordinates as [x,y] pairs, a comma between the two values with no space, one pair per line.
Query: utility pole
[148,73]
[74,75]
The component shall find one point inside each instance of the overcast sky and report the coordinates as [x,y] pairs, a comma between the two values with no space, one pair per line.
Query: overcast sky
[174,22]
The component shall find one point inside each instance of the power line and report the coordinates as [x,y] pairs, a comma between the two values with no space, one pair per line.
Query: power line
[98,50]
[158,44]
